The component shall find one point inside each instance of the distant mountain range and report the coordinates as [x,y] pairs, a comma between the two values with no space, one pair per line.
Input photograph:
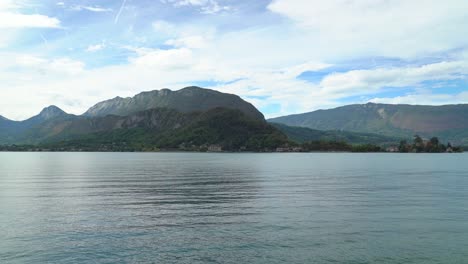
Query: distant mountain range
[449,122]
[194,118]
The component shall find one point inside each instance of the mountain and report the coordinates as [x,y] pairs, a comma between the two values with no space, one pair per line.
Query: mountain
[48,113]
[449,122]
[189,99]
[162,128]
[304,134]
[154,120]
[195,118]
[12,132]
[7,127]
[192,118]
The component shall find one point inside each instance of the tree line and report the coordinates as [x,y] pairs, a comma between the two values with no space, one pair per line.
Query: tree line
[429,146]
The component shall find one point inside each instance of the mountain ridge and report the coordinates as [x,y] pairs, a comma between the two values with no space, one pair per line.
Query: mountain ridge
[160,112]
[388,119]
[357,123]
[185,100]
[304,134]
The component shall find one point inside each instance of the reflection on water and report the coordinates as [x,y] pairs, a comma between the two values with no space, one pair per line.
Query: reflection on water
[233,208]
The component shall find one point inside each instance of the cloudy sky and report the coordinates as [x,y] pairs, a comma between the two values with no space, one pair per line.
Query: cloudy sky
[284,56]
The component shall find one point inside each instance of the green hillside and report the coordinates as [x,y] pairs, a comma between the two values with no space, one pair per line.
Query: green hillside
[228,129]
[449,123]
[303,134]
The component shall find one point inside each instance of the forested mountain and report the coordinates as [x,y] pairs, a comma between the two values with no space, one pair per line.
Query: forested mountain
[197,118]
[191,118]
[304,134]
[449,122]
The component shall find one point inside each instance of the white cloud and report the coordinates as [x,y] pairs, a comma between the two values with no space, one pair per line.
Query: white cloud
[96,47]
[425,98]
[63,80]
[11,17]
[165,59]
[194,42]
[15,20]
[8,5]
[97,9]
[392,28]
[66,66]
[214,8]
[370,81]
[164,27]
[206,6]
[28,83]
[24,64]
[265,60]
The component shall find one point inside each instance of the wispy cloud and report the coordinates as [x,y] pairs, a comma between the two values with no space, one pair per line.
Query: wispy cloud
[46,42]
[117,17]
[96,47]
[91,8]
[205,6]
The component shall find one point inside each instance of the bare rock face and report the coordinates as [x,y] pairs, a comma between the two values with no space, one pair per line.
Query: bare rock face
[189,99]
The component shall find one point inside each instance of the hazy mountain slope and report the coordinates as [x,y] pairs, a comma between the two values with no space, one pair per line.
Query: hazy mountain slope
[389,120]
[15,131]
[304,134]
[185,100]
[7,130]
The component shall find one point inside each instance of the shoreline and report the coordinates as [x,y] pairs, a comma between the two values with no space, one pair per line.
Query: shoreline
[223,152]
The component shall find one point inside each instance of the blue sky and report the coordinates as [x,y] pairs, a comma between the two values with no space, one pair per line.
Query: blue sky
[284,56]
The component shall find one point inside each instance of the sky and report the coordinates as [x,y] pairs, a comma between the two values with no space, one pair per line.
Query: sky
[284,56]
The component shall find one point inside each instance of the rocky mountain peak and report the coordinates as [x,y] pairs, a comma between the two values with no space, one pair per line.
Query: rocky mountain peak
[189,99]
[51,112]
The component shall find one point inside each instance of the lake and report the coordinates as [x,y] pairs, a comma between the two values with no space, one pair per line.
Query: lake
[233,208]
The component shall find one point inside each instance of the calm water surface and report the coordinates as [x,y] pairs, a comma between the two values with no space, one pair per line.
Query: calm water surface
[233,208]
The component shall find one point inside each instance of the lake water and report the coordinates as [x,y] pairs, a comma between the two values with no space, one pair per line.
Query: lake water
[233,208]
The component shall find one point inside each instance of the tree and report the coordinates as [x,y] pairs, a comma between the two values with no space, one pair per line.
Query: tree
[433,145]
[403,146]
[418,144]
